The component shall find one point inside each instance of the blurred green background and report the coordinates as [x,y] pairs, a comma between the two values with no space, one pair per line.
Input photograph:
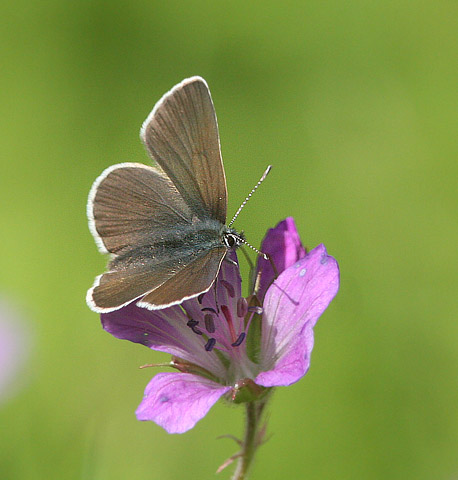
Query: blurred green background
[354,104]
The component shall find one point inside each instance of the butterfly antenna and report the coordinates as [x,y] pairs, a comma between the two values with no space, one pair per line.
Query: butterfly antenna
[264,175]
[261,254]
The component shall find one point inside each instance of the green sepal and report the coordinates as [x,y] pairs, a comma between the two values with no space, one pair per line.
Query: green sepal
[246,391]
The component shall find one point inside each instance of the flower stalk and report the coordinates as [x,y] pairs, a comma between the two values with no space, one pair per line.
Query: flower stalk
[254,433]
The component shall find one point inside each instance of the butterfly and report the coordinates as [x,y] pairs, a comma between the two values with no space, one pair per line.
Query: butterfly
[164,225]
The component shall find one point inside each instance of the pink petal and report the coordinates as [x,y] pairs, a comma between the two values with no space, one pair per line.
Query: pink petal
[177,401]
[14,349]
[292,305]
[284,246]
[162,330]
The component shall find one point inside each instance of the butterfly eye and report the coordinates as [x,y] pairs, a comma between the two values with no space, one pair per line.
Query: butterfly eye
[232,240]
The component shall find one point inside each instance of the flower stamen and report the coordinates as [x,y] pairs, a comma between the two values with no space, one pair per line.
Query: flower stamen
[209,323]
[210,344]
[242,307]
[239,340]
[230,323]
[209,309]
[229,287]
[192,324]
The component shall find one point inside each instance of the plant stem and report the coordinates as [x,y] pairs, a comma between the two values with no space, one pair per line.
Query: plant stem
[251,440]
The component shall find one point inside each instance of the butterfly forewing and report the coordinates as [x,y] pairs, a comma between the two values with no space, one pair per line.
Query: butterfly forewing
[130,204]
[181,135]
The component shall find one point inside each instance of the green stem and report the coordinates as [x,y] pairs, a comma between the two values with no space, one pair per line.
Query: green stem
[251,440]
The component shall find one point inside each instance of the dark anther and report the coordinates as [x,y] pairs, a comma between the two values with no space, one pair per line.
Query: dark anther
[229,287]
[209,309]
[197,331]
[201,297]
[210,344]
[209,323]
[192,324]
[239,340]
[242,307]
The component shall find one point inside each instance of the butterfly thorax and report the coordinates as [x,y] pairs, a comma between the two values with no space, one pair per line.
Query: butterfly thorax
[185,242]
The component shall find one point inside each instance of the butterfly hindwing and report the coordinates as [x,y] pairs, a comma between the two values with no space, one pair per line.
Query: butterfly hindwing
[195,278]
[161,284]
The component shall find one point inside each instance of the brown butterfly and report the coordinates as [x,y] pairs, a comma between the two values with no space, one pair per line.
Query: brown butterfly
[165,225]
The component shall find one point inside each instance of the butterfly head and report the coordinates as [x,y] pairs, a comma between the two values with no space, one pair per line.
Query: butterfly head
[231,238]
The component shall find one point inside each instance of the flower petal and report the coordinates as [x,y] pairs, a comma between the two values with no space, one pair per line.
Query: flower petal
[15,344]
[163,330]
[177,401]
[292,305]
[284,246]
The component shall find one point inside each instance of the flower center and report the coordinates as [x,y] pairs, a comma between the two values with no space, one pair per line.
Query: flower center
[224,325]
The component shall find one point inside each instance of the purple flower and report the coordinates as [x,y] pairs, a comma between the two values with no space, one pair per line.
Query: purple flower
[222,344]
[14,349]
